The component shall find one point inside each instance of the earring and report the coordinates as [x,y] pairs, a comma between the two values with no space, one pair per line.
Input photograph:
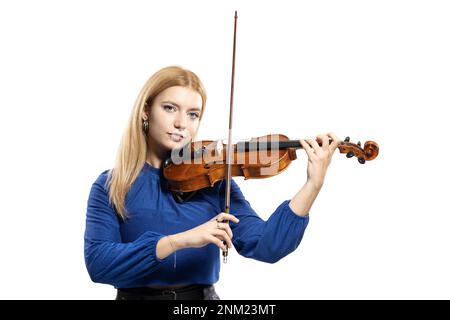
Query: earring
[145,126]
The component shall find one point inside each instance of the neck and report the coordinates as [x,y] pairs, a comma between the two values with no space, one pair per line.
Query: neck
[154,163]
[155,158]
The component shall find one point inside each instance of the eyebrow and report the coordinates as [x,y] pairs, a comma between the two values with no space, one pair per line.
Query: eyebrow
[178,106]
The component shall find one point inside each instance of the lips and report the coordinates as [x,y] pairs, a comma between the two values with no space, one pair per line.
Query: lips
[177,134]
[176,137]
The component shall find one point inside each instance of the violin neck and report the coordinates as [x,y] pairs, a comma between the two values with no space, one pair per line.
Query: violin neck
[267,145]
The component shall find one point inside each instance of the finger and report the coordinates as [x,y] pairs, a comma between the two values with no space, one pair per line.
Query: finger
[222,235]
[227,244]
[225,237]
[336,140]
[325,141]
[226,216]
[314,145]
[226,227]
[309,151]
[217,242]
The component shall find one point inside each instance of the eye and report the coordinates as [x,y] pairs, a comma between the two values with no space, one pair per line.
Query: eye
[194,115]
[169,108]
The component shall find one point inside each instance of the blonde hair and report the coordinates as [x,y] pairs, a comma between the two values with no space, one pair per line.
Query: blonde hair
[132,152]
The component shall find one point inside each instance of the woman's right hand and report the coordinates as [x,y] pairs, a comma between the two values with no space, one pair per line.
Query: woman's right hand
[213,231]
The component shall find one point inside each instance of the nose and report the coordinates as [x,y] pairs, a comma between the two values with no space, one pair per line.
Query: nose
[180,122]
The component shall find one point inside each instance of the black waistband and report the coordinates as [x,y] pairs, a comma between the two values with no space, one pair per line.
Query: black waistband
[192,292]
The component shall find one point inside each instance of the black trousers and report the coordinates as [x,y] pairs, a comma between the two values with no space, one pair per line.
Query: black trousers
[193,292]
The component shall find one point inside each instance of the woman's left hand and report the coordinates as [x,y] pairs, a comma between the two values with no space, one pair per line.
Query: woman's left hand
[319,157]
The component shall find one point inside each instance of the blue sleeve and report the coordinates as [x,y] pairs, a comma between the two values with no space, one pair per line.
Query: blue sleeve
[108,259]
[267,241]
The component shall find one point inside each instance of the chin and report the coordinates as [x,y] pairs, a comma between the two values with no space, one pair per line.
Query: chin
[173,145]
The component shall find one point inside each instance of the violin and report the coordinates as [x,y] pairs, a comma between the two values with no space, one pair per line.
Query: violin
[201,164]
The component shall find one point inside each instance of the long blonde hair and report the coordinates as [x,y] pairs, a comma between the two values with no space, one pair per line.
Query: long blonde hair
[132,152]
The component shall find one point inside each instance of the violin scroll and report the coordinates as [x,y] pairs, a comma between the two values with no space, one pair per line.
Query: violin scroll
[369,152]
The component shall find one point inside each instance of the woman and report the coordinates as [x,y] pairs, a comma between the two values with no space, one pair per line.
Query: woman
[148,245]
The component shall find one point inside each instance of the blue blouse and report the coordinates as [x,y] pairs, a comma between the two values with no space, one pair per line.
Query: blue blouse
[123,253]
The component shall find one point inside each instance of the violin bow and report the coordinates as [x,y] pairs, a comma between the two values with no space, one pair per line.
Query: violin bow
[230,145]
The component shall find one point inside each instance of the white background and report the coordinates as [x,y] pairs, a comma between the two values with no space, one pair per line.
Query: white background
[374,70]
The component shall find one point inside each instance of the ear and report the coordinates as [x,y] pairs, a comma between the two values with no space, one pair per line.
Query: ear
[145,112]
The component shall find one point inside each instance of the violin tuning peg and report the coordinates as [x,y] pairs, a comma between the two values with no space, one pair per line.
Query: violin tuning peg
[347,139]
[359,143]
[361,160]
[350,154]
